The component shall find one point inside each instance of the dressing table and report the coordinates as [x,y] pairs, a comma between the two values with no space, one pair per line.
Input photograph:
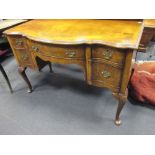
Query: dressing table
[105,50]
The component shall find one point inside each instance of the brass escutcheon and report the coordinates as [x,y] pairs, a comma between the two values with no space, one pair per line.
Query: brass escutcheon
[107,54]
[35,48]
[24,57]
[19,42]
[71,54]
[106,74]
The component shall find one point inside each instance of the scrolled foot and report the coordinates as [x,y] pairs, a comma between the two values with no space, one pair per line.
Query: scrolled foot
[29,90]
[118,122]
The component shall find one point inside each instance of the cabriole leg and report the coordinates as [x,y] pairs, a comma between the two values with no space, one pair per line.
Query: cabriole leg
[121,99]
[21,71]
[119,109]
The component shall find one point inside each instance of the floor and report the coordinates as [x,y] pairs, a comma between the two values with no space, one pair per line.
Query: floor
[62,103]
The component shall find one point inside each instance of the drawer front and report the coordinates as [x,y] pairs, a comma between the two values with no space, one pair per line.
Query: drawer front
[106,75]
[59,51]
[20,50]
[23,57]
[108,54]
[18,42]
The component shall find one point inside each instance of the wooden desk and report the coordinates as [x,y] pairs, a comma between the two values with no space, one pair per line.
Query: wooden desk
[103,48]
[148,34]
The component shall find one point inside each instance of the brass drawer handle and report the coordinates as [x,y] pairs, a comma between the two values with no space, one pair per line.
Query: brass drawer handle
[71,54]
[24,57]
[19,42]
[35,48]
[106,74]
[107,54]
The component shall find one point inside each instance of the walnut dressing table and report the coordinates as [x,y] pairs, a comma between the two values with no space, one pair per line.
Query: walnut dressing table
[103,48]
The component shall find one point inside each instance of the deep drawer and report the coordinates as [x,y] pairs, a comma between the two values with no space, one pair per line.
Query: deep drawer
[106,75]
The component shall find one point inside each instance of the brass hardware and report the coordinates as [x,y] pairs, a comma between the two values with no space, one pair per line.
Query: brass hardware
[35,48]
[142,48]
[141,45]
[106,74]
[71,54]
[19,42]
[24,57]
[107,54]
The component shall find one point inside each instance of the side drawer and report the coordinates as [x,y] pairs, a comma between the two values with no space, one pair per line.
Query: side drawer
[18,42]
[108,54]
[24,58]
[21,51]
[104,75]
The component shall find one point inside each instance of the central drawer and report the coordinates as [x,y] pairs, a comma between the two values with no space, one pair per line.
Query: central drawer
[58,51]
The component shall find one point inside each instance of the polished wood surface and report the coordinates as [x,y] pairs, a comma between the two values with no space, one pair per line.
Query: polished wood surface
[149,23]
[116,33]
[105,50]
[148,34]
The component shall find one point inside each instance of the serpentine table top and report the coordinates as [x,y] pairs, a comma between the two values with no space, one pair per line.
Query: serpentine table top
[116,33]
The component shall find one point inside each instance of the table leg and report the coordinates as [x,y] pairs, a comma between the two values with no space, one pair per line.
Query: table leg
[6,78]
[119,109]
[50,67]
[121,99]
[21,71]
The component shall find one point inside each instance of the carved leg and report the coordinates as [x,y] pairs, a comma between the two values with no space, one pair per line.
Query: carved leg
[121,99]
[119,109]
[50,67]
[21,71]
[6,77]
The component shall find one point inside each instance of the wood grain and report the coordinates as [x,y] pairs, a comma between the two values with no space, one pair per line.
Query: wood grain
[116,33]
[149,23]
